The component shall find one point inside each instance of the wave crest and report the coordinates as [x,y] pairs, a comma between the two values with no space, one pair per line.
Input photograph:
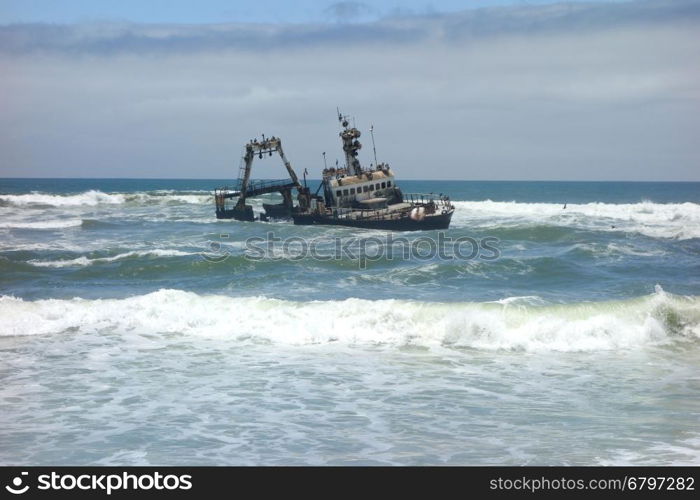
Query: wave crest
[88,198]
[85,261]
[45,224]
[659,220]
[94,197]
[657,319]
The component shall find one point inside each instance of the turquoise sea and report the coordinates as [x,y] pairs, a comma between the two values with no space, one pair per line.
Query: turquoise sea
[137,329]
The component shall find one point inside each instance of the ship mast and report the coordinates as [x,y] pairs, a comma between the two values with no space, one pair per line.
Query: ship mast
[351,145]
[374,148]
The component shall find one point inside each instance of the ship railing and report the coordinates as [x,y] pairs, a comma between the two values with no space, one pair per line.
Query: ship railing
[440,202]
[424,198]
[369,214]
[254,185]
[378,214]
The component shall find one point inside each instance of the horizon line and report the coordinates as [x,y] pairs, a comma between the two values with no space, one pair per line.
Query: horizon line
[315,179]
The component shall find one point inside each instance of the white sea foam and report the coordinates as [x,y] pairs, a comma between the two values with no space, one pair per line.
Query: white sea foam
[652,320]
[85,261]
[629,250]
[44,224]
[170,197]
[684,452]
[95,197]
[191,198]
[88,198]
[52,245]
[527,300]
[664,220]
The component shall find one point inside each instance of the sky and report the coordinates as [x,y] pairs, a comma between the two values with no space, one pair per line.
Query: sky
[483,90]
[224,11]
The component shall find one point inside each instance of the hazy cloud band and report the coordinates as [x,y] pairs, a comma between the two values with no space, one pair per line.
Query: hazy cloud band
[564,91]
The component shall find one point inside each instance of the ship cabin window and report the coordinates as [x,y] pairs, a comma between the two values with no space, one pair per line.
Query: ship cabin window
[352,190]
[388,184]
[365,188]
[371,187]
[345,192]
[383,185]
[339,193]
[377,186]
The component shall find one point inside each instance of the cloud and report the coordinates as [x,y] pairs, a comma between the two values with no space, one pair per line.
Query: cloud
[115,38]
[347,11]
[566,93]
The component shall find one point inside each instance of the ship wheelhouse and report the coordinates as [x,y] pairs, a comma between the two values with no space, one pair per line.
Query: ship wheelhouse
[353,191]
[354,186]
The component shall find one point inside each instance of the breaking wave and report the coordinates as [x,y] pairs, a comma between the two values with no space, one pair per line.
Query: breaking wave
[45,224]
[88,198]
[661,220]
[94,197]
[521,324]
[185,197]
[85,261]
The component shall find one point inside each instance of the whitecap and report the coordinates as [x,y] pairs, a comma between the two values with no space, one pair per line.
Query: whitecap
[659,220]
[654,320]
[85,261]
[44,224]
[88,198]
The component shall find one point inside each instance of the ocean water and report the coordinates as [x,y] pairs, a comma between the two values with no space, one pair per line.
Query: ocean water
[136,329]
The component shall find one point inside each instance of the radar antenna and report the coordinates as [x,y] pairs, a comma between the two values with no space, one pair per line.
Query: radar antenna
[371,131]
[351,145]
